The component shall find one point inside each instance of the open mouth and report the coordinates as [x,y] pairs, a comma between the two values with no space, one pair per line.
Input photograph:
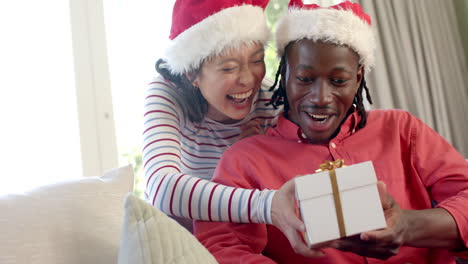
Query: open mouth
[321,119]
[320,122]
[240,98]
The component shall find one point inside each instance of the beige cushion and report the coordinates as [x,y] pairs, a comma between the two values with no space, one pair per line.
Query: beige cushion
[77,221]
[150,237]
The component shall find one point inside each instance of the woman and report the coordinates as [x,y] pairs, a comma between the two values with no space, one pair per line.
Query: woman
[209,95]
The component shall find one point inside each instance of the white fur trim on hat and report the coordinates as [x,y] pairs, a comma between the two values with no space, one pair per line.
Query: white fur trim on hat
[229,28]
[341,27]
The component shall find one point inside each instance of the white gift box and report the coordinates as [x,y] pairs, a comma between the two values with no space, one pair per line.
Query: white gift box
[358,197]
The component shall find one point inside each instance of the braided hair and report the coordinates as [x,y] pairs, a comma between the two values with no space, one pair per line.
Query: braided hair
[279,96]
[195,104]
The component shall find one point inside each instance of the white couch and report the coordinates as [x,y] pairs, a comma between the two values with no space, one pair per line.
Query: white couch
[92,220]
[75,221]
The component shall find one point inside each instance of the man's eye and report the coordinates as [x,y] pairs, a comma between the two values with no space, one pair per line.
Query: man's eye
[338,81]
[305,79]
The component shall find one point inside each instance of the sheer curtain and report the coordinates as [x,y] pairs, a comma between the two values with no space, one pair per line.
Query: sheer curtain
[420,64]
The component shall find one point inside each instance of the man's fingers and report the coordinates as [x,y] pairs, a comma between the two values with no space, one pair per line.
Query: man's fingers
[349,244]
[251,129]
[376,235]
[250,132]
[385,237]
[251,123]
[385,198]
[383,194]
[364,248]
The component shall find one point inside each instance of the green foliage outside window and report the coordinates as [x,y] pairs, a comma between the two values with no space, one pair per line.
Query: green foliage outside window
[134,157]
[274,10]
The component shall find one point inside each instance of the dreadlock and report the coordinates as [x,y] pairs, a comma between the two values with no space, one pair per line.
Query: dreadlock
[359,102]
[279,97]
[196,105]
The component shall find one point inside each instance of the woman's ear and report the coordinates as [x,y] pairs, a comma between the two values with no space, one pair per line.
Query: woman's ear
[193,78]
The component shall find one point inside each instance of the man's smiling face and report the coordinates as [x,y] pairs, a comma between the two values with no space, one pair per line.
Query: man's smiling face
[321,81]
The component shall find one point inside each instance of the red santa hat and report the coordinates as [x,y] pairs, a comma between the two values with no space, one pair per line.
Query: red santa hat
[342,24]
[204,28]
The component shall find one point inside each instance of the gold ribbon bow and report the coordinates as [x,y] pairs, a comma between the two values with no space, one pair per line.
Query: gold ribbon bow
[330,166]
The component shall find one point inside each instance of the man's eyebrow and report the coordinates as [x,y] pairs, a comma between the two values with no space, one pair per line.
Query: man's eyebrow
[308,67]
[304,67]
[340,68]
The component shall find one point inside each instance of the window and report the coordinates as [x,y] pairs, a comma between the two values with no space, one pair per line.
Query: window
[137,34]
[39,137]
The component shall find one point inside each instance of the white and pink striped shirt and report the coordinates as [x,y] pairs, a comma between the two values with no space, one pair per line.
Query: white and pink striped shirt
[179,158]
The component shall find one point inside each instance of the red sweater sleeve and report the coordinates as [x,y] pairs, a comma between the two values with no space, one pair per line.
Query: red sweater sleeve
[444,171]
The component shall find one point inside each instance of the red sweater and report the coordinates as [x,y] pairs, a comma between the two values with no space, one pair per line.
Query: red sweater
[418,166]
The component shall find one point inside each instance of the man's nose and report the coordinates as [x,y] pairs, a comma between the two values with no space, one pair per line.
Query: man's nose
[321,93]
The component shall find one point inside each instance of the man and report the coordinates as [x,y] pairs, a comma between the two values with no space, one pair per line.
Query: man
[325,53]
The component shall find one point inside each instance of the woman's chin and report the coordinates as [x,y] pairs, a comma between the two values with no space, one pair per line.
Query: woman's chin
[237,117]
[238,113]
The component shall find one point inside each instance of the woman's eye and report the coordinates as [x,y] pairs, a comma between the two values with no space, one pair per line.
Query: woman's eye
[228,69]
[259,61]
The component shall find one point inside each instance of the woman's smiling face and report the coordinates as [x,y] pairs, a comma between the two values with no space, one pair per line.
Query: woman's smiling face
[230,81]
[321,80]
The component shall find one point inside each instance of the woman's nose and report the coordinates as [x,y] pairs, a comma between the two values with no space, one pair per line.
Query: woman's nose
[247,77]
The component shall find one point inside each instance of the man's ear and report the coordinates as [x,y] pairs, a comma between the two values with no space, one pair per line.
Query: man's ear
[360,75]
[283,72]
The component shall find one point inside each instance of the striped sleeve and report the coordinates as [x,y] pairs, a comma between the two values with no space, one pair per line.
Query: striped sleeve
[180,194]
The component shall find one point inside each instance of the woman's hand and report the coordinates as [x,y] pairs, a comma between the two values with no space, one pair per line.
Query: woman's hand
[283,216]
[250,128]
[383,243]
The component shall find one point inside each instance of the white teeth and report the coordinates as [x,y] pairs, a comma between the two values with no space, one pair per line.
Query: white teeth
[318,116]
[242,95]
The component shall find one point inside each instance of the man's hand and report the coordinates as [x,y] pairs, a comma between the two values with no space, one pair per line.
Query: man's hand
[283,215]
[384,243]
[250,128]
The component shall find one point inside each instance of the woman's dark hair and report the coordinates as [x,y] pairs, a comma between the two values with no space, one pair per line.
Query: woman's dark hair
[195,105]
[279,97]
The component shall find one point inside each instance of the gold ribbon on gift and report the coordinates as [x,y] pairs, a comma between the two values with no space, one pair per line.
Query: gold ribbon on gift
[330,166]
